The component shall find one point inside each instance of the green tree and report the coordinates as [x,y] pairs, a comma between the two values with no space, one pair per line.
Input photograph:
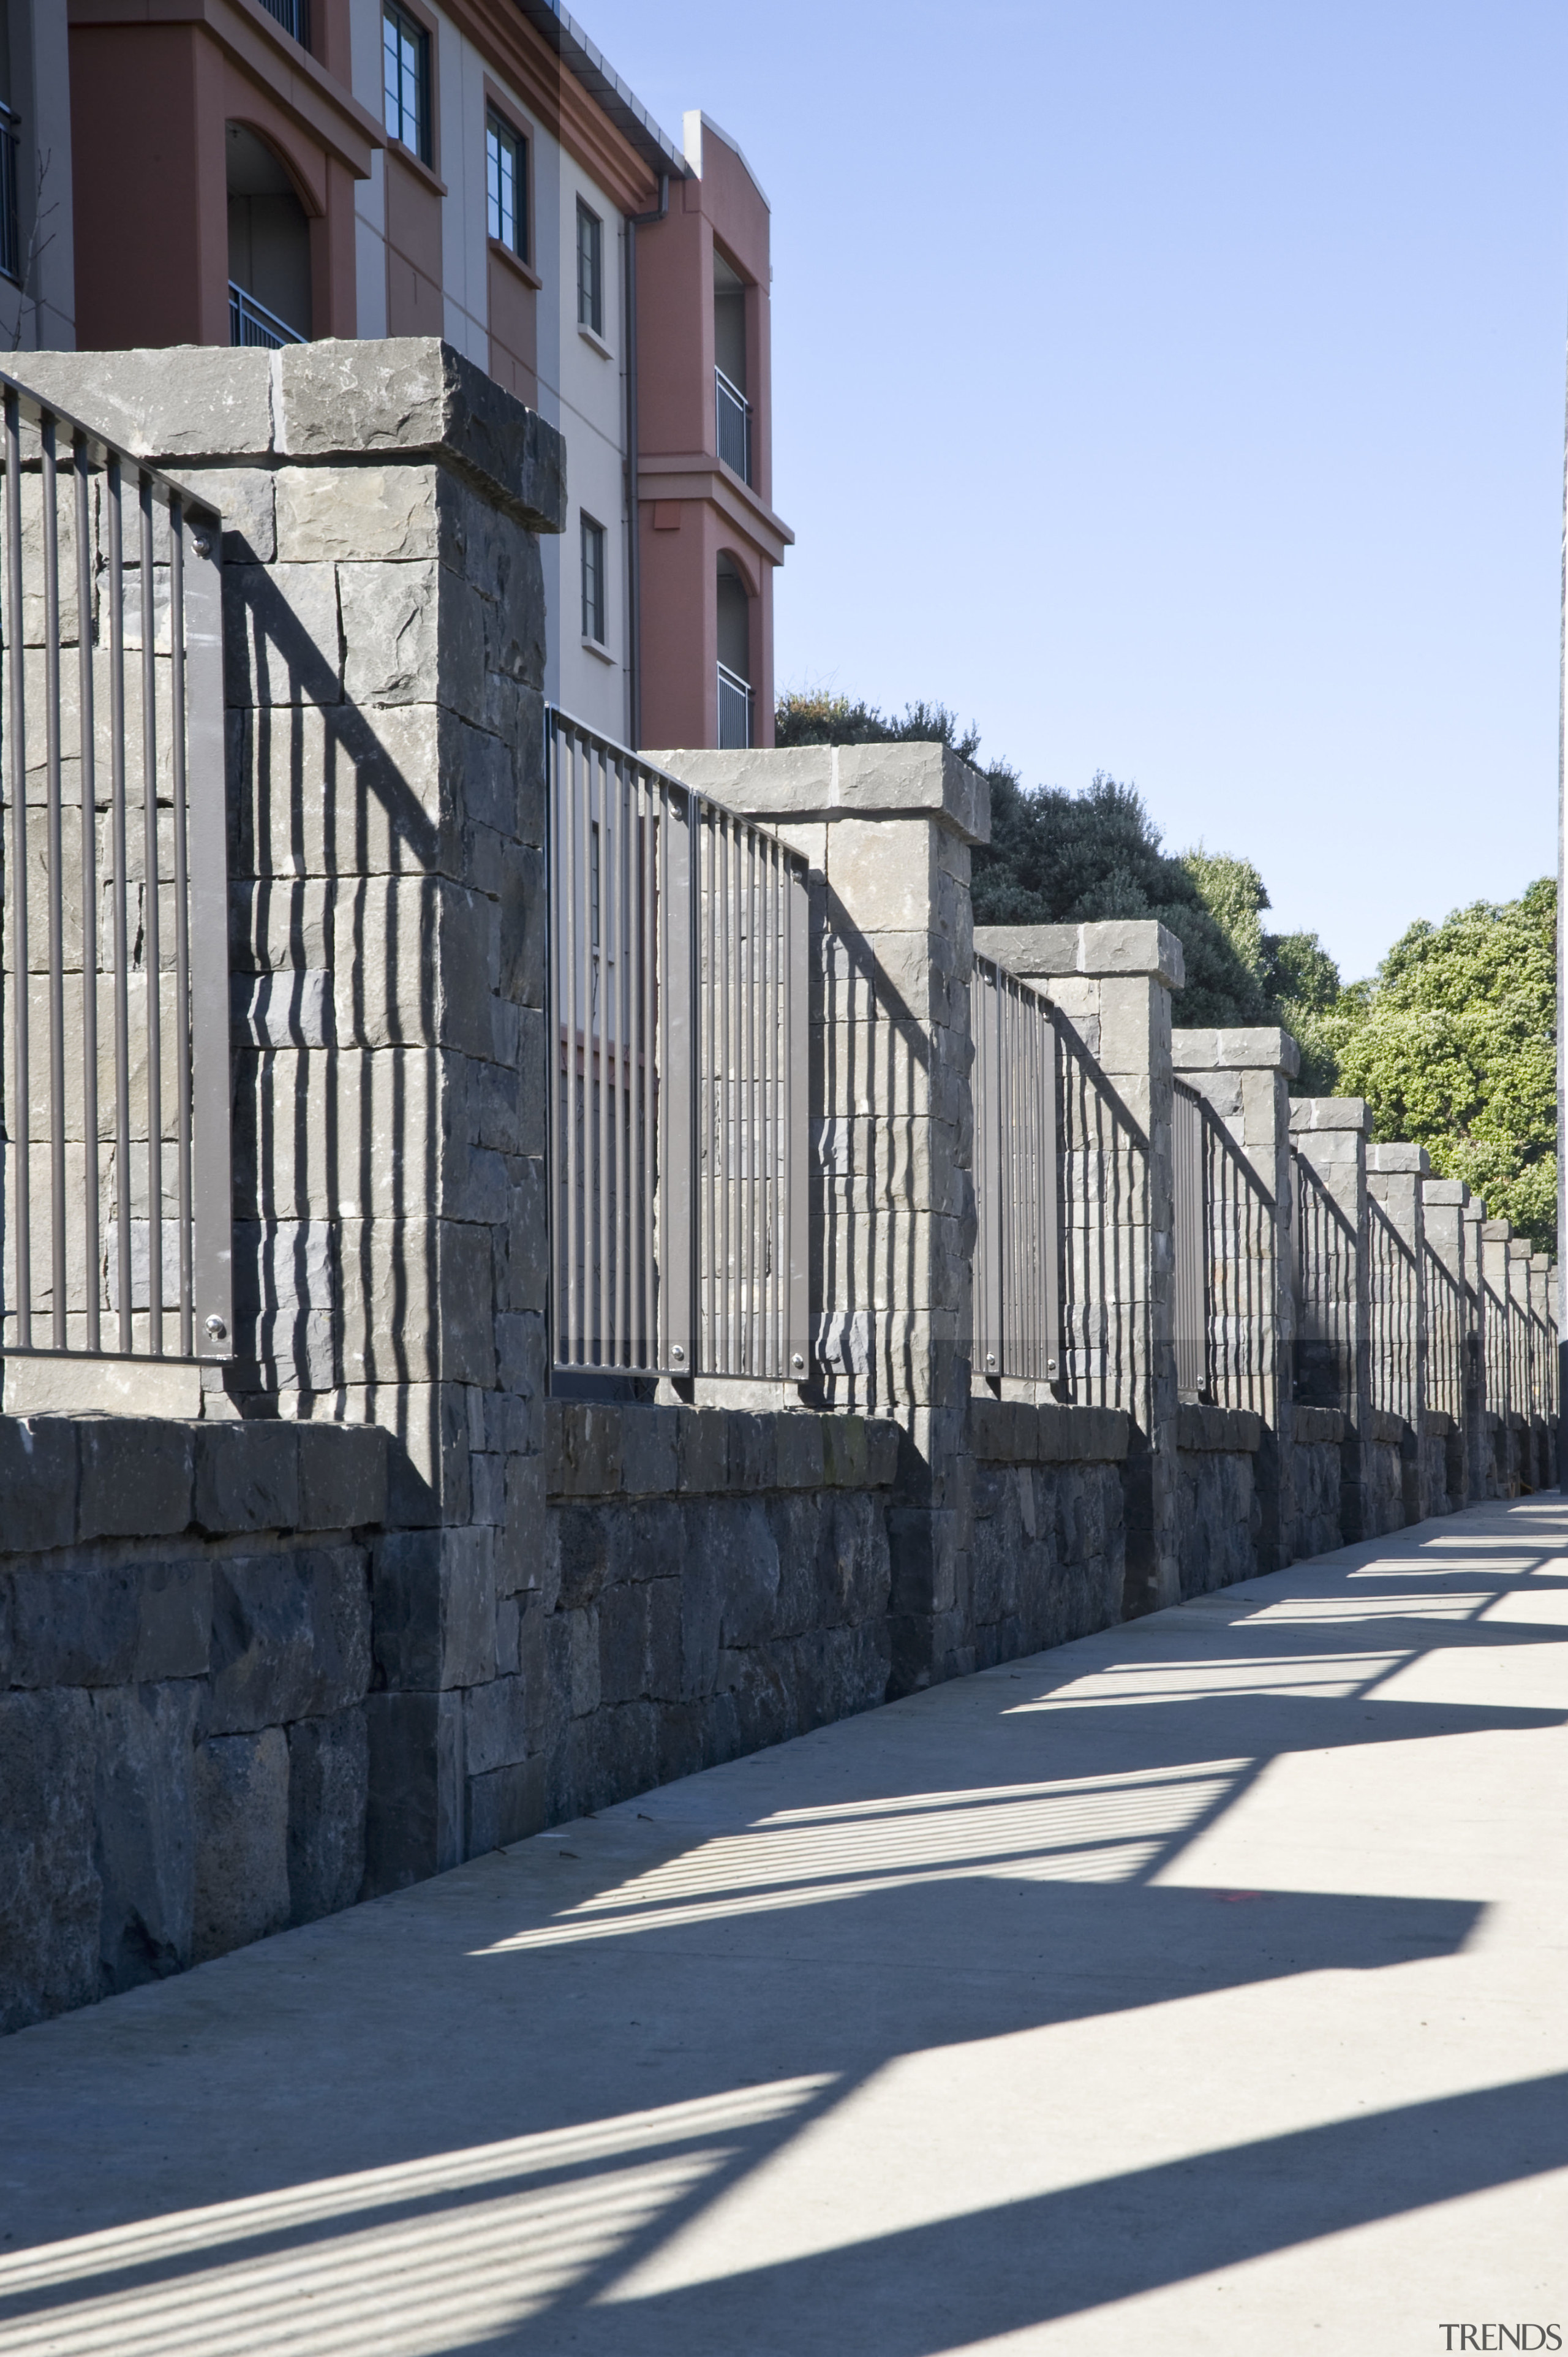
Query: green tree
[1057,857]
[1455,1048]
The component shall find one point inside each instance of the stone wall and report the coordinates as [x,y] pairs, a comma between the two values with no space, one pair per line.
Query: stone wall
[186,1650]
[1049,1551]
[1387,1453]
[1319,1434]
[1220,1514]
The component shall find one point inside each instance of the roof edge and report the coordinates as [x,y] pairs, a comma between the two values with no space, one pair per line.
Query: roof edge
[599,78]
[693,122]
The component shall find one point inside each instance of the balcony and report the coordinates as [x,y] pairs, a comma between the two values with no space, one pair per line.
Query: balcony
[250,322]
[294,16]
[10,219]
[735,711]
[734,426]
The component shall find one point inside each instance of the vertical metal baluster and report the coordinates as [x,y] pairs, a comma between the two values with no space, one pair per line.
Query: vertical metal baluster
[746,1173]
[652,832]
[570,937]
[16,943]
[772,1358]
[710,1081]
[150,931]
[122,950]
[615,771]
[727,963]
[86,756]
[50,521]
[603,1150]
[181,918]
[796,1207]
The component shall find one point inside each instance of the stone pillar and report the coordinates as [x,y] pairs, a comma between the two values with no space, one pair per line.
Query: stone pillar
[1483,1456]
[1332,1347]
[886,830]
[1542,1345]
[1501,1403]
[1112,983]
[1245,1078]
[1451,1238]
[1394,1176]
[384,643]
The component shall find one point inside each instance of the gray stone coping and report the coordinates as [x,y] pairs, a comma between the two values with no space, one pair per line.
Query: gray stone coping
[1121,946]
[1400,1161]
[1384,1426]
[1263,1047]
[1017,1432]
[1331,1113]
[820,783]
[401,396]
[1449,1193]
[602,1451]
[1312,1427]
[1236,1430]
[65,1479]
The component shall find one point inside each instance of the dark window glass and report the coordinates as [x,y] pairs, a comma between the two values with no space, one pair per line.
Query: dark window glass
[590,270]
[405,63]
[593,581]
[506,185]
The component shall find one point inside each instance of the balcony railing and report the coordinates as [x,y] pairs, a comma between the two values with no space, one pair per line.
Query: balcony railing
[10,218]
[294,16]
[735,711]
[734,426]
[250,322]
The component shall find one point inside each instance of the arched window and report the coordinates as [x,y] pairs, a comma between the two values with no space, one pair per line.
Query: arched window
[734,613]
[269,246]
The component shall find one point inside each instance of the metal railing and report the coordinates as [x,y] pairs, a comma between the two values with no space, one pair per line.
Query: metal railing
[294,16]
[1326,1280]
[1240,1231]
[10,210]
[251,323]
[679,1009]
[1017,1283]
[1450,1323]
[1522,1388]
[1104,1193]
[735,707]
[1393,1299]
[1189,1247]
[1496,1345]
[734,424]
[116,1142]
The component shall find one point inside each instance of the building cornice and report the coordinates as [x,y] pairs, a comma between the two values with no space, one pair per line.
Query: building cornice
[696,476]
[260,48]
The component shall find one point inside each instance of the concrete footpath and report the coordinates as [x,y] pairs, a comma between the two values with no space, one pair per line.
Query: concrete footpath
[1198,1987]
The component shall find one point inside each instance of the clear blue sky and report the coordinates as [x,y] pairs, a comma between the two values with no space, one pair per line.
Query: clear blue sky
[1177,388]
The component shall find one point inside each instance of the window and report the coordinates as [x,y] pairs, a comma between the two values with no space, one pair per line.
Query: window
[590,270]
[593,581]
[405,63]
[506,181]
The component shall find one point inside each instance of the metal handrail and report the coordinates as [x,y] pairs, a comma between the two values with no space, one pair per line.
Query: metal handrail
[736,709]
[10,212]
[252,324]
[80,1154]
[732,425]
[680,1030]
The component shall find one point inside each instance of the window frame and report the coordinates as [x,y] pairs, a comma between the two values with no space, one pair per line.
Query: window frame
[592,531]
[501,125]
[412,28]
[595,321]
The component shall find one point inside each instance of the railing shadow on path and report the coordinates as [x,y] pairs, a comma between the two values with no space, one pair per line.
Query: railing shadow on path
[493,2112]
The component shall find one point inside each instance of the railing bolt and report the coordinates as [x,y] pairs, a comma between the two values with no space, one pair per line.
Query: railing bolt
[797,1362]
[991,1360]
[677,1353]
[216,1329]
[201,545]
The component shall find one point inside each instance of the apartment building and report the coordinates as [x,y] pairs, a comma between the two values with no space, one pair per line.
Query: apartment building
[265,171]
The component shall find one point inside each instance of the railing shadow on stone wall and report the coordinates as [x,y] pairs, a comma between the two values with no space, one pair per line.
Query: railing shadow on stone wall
[347,919]
[873,1086]
[1104,1198]
[1328,1251]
